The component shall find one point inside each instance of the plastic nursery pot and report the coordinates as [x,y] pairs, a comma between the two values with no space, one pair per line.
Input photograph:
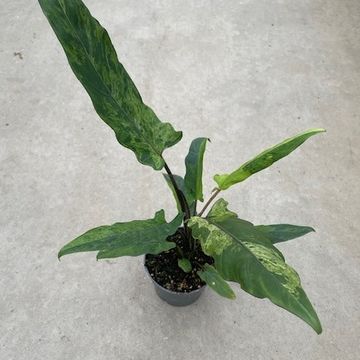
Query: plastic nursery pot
[172,297]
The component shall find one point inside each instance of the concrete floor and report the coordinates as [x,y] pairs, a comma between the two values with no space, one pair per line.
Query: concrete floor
[244,73]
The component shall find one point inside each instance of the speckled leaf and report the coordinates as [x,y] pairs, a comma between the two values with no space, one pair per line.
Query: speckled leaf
[264,159]
[126,239]
[93,59]
[194,169]
[212,239]
[215,281]
[248,257]
[283,232]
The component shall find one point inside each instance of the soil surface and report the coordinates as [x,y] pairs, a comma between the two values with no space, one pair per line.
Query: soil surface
[164,269]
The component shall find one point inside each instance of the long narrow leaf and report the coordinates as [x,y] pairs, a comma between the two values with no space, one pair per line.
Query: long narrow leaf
[264,159]
[194,169]
[94,61]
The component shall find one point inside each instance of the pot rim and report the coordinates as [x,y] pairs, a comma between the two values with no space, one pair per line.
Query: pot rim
[170,291]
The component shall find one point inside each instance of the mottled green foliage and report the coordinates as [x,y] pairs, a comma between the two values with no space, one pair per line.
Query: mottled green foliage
[194,169]
[212,239]
[242,252]
[185,265]
[94,61]
[264,159]
[216,282]
[283,232]
[220,210]
[251,259]
[126,239]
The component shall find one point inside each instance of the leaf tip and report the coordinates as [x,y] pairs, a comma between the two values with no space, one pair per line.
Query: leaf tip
[317,130]
[317,327]
[60,254]
[179,134]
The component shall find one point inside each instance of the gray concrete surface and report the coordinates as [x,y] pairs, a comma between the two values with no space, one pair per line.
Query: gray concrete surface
[244,73]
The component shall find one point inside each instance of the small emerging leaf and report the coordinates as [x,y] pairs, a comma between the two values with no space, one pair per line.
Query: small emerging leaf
[194,169]
[211,276]
[127,239]
[185,265]
[264,159]
[283,232]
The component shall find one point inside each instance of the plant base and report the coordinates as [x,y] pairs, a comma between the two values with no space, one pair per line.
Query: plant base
[171,283]
[176,298]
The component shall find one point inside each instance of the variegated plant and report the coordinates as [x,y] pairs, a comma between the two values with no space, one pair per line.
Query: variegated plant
[242,252]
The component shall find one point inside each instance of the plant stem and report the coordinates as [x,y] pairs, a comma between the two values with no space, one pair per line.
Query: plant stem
[183,203]
[213,196]
[180,252]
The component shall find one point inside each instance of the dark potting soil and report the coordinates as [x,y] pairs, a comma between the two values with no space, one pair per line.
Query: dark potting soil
[164,269]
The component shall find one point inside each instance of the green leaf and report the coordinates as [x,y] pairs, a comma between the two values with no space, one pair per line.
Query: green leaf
[94,61]
[211,276]
[264,159]
[213,240]
[185,265]
[283,232]
[194,169]
[126,239]
[245,255]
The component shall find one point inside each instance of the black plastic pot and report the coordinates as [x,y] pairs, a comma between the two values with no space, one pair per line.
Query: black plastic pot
[175,298]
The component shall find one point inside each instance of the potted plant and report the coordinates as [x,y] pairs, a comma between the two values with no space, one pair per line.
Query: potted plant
[211,246]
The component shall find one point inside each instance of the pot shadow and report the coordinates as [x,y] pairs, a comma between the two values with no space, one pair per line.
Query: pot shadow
[169,322]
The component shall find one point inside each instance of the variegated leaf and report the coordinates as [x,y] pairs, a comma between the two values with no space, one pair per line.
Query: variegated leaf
[127,238]
[245,255]
[264,159]
[116,99]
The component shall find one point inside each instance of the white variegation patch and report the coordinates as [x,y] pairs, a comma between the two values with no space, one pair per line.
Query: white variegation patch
[213,240]
[273,262]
